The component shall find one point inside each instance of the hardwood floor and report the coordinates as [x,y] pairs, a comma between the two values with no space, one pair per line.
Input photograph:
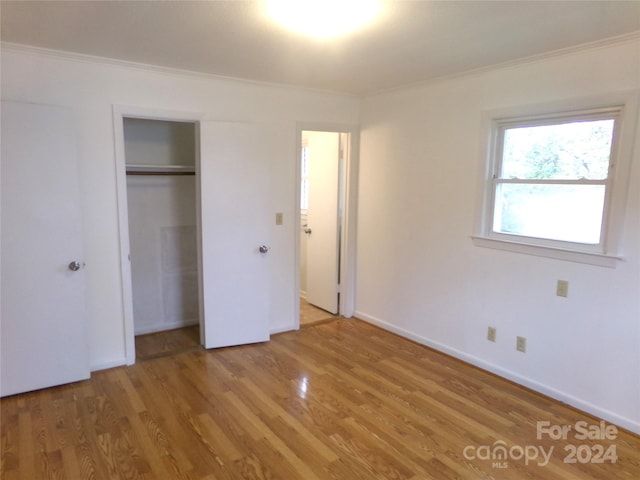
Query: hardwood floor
[310,314]
[168,342]
[340,400]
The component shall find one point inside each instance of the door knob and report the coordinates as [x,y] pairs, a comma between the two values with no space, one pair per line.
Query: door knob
[263,249]
[307,230]
[74,266]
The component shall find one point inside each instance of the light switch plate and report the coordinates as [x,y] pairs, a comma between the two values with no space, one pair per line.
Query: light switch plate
[562,289]
[491,334]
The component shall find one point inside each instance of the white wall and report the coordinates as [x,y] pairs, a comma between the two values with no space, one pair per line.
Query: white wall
[156,142]
[91,89]
[163,246]
[419,273]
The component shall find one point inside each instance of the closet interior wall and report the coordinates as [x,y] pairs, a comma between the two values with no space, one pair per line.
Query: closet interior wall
[161,202]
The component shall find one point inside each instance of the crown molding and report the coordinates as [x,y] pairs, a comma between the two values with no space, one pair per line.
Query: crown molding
[572,50]
[85,58]
[158,69]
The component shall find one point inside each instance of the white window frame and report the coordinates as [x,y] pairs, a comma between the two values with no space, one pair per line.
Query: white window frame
[622,107]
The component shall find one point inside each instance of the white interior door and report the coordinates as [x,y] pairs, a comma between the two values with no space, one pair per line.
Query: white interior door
[234,202]
[322,220]
[43,324]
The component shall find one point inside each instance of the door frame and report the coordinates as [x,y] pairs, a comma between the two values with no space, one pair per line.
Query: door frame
[120,112]
[348,237]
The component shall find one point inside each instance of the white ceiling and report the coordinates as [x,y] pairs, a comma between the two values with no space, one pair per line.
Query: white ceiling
[413,42]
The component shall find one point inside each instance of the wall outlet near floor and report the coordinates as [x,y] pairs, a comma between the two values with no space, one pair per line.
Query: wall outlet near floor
[562,288]
[521,344]
[491,334]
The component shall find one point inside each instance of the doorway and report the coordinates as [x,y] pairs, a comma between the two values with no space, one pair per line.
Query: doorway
[161,183]
[232,182]
[323,167]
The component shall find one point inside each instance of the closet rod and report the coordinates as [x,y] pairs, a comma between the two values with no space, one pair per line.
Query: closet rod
[159,173]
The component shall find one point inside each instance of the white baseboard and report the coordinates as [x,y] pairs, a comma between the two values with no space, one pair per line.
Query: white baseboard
[559,395]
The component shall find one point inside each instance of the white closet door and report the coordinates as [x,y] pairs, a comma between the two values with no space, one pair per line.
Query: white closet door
[43,323]
[234,196]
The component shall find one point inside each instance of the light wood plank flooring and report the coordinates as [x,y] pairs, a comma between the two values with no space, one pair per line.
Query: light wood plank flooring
[167,342]
[310,314]
[339,400]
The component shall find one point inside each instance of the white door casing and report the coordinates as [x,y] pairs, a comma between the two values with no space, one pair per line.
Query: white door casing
[323,220]
[43,325]
[234,223]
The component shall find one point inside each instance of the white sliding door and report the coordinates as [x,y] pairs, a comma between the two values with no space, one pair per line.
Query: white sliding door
[235,223]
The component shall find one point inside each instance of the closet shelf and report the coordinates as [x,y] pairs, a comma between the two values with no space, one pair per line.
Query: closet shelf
[133,169]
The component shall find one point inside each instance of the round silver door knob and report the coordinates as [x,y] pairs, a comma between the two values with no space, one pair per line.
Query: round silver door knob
[263,249]
[74,266]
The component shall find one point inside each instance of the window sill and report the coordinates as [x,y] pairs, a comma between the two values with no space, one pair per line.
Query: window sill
[598,259]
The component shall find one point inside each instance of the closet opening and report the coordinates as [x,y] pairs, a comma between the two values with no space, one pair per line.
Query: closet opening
[161,183]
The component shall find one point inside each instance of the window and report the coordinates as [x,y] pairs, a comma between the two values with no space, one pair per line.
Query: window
[550,182]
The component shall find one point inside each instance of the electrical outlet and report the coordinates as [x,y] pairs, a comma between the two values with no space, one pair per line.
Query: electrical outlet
[521,344]
[491,334]
[562,289]
[279,218]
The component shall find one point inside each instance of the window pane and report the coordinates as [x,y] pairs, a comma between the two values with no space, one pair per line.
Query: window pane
[564,151]
[571,213]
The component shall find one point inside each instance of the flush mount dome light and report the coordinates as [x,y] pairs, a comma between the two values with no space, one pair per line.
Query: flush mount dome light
[323,18]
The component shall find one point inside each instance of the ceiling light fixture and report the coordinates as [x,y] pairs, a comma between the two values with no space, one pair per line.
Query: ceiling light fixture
[323,18]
